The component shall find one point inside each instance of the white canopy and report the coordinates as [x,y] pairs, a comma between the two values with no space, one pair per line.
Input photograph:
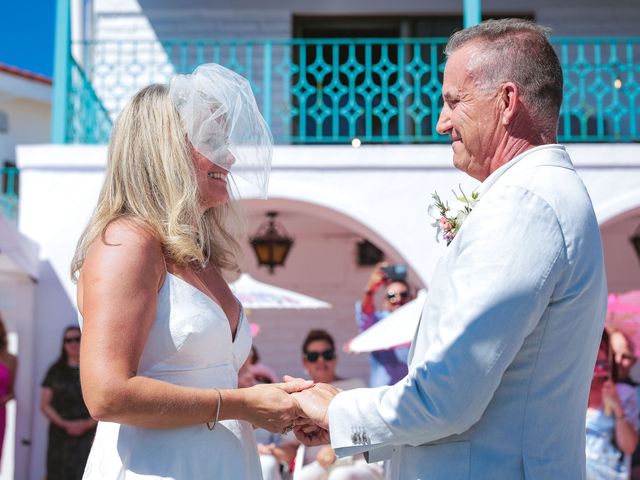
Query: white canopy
[18,254]
[396,329]
[258,295]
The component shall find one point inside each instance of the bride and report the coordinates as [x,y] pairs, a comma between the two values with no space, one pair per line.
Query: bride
[163,336]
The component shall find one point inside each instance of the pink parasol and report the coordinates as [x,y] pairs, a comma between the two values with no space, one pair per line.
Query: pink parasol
[623,314]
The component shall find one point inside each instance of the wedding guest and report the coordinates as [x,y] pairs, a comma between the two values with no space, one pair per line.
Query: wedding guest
[612,420]
[386,367]
[163,335]
[8,368]
[320,361]
[71,428]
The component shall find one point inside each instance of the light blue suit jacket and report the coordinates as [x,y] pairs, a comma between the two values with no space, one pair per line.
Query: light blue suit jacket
[502,360]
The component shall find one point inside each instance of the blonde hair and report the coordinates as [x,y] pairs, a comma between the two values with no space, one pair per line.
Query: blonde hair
[150,179]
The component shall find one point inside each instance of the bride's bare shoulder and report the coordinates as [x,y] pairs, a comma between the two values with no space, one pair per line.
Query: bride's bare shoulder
[129,233]
[126,246]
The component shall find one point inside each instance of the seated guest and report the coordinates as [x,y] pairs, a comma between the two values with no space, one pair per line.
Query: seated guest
[320,462]
[612,421]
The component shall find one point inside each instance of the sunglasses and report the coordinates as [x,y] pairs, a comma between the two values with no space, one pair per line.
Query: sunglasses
[72,340]
[391,294]
[328,354]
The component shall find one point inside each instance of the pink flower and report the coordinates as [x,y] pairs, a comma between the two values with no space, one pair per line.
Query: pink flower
[445,224]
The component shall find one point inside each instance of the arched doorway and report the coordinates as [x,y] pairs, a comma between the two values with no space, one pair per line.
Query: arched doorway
[621,260]
[322,263]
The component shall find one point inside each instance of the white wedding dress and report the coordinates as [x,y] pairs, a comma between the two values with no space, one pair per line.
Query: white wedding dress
[190,344]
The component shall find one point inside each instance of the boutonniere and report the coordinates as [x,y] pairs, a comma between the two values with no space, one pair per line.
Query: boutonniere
[449,218]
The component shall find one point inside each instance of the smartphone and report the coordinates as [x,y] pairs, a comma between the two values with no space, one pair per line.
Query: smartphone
[396,272]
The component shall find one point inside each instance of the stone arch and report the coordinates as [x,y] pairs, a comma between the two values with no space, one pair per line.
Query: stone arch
[322,263]
[619,220]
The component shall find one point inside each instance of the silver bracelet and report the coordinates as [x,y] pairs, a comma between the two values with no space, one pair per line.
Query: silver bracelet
[215,420]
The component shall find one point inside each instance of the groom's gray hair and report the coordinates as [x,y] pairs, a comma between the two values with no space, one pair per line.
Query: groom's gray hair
[519,51]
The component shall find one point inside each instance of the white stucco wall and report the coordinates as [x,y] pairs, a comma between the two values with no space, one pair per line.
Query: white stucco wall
[26,103]
[27,106]
[385,188]
[330,197]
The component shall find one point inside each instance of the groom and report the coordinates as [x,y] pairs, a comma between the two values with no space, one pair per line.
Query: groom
[503,356]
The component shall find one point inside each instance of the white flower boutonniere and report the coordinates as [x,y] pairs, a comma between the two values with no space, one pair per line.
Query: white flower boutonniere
[449,218]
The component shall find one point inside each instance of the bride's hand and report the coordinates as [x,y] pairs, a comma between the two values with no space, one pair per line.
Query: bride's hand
[270,406]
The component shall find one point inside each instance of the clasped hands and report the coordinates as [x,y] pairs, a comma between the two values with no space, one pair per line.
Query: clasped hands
[298,405]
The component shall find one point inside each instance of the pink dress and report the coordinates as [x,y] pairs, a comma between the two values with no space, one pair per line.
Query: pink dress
[5,384]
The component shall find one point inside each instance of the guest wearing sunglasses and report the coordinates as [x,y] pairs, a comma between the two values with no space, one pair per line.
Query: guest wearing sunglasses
[386,367]
[71,429]
[319,462]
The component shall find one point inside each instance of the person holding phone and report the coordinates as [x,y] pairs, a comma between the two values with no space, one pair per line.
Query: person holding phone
[611,422]
[386,366]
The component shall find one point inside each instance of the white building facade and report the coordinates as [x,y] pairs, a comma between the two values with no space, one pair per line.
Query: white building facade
[25,116]
[329,195]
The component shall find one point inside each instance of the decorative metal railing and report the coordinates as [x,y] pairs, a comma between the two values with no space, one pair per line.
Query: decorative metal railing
[88,121]
[601,89]
[333,90]
[9,192]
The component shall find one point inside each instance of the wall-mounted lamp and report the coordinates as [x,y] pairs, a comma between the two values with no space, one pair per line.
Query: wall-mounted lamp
[270,245]
[368,254]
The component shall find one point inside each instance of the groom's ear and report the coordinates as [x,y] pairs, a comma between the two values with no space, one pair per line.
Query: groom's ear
[508,102]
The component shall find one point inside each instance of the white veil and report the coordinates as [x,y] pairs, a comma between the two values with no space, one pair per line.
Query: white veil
[220,116]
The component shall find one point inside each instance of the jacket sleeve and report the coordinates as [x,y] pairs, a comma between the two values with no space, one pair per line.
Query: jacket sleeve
[499,280]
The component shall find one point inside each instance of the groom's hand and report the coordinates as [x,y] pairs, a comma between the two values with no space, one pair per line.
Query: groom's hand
[314,403]
[312,435]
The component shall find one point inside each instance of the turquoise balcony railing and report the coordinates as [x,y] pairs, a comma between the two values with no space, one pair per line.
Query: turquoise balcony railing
[87,120]
[9,192]
[333,90]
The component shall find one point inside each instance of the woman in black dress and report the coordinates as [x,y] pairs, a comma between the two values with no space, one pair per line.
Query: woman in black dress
[71,429]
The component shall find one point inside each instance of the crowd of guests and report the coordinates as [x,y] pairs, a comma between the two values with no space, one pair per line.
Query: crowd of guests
[612,421]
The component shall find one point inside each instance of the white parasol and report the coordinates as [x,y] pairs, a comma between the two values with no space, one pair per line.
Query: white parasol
[396,329]
[18,254]
[258,295]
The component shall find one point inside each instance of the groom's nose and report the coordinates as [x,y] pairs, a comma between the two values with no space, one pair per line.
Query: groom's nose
[443,126]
